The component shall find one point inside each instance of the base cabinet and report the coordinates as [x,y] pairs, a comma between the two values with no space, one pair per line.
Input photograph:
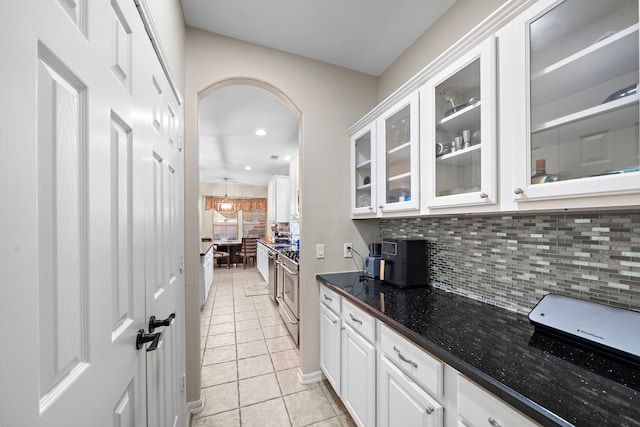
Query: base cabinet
[477,408]
[262,261]
[358,388]
[330,346]
[403,402]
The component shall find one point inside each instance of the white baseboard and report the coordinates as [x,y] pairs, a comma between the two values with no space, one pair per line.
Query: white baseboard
[312,377]
[194,408]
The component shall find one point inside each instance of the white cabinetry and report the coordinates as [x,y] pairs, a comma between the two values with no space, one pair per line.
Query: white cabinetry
[206,273]
[262,261]
[348,355]
[278,199]
[400,398]
[294,188]
[457,109]
[385,163]
[573,104]
[409,382]
[477,408]
[330,346]
[358,361]
[363,172]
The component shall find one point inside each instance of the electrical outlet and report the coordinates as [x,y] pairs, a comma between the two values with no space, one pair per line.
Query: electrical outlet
[320,250]
[347,250]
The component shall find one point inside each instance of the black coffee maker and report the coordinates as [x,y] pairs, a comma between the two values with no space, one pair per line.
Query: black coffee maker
[405,262]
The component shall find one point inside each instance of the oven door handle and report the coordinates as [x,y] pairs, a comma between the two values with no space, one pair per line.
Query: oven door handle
[284,310]
[293,273]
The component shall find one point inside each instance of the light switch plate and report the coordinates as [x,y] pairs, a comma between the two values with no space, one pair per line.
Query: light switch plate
[320,250]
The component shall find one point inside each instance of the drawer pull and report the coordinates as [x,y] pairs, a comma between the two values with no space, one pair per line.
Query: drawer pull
[404,359]
[429,411]
[355,319]
[493,422]
[327,298]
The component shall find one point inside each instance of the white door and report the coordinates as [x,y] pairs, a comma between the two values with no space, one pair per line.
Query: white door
[75,184]
[160,130]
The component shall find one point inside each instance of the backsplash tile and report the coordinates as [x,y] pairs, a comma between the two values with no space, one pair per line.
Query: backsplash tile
[513,260]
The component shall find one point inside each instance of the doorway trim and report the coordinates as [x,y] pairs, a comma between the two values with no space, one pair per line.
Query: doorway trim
[193,229]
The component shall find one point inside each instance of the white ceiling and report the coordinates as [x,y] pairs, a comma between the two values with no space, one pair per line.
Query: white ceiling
[228,119]
[363,35]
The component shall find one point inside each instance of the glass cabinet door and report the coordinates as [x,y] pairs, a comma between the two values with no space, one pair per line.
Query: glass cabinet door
[363,176]
[398,130]
[582,77]
[459,131]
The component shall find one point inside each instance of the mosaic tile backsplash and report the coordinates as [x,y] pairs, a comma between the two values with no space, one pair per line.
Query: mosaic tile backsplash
[514,260]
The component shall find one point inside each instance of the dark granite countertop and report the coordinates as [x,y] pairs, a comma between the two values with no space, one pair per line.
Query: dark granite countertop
[205,247]
[278,247]
[551,381]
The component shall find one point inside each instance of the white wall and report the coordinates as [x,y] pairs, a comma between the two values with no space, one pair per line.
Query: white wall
[330,100]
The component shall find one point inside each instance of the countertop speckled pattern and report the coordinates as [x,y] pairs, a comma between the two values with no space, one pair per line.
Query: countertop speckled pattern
[553,382]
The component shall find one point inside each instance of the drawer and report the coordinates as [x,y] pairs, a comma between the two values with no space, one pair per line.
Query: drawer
[359,320]
[330,299]
[479,408]
[423,368]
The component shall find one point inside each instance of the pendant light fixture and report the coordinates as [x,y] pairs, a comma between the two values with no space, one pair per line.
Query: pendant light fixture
[226,206]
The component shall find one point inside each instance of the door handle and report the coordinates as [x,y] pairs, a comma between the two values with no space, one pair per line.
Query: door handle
[154,339]
[155,323]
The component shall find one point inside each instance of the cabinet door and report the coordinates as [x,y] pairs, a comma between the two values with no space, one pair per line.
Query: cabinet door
[398,162]
[402,402]
[576,73]
[358,377]
[458,128]
[363,175]
[330,346]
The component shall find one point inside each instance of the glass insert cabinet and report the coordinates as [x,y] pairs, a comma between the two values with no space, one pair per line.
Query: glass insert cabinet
[581,75]
[386,161]
[458,127]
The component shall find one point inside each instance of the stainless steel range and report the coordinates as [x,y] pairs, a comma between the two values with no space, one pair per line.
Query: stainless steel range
[289,292]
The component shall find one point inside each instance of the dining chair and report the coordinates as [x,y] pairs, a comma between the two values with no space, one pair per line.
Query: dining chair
[248,250]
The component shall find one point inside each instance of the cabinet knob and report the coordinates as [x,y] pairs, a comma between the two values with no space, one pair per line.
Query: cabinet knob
[483,195]
[518,190]
[493,422]
[370,208]
[380,207]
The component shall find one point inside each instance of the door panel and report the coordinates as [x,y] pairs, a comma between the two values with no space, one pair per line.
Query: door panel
[76,183]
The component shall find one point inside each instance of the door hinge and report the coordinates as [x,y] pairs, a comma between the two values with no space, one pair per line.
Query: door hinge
[181,263]
[183,383]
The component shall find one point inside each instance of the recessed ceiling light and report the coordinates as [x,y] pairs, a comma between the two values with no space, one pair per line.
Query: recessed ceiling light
[261,132]
[287,157]
[247,168]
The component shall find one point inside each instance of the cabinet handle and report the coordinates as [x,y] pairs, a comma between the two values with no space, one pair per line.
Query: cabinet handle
[370,208]
[429,411]
[380,207]
[327,298]
[518,190]
[334,321]
[404,359]
[493,422]
[484,195]
[355,319]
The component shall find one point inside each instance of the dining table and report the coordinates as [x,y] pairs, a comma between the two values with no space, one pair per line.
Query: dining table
[229,246]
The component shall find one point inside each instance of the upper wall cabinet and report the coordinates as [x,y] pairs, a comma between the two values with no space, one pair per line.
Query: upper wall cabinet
[385,162]
[457,110]
[363,179]
[575,104]
[398,161]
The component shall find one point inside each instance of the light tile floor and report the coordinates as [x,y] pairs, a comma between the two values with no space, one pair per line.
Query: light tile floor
[250,363]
